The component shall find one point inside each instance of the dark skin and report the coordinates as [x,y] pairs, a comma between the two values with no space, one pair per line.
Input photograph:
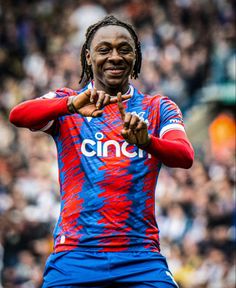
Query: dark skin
[112,57]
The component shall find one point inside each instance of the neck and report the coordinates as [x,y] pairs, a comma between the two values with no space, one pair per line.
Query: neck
[111,90]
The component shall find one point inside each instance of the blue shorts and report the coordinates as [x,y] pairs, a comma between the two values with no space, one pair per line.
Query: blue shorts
[76,269]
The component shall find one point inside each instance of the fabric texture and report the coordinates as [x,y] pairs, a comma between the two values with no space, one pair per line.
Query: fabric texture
[107,269]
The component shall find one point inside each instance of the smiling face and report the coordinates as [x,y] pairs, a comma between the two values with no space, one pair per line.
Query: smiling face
[112,56]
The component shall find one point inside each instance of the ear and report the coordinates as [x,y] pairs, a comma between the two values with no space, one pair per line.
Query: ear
[88,57]
[132,71]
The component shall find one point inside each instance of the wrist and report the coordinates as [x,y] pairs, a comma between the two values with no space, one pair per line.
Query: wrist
[146,144]
[70,105]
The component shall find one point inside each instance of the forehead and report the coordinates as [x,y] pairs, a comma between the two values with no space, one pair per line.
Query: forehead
[112,34]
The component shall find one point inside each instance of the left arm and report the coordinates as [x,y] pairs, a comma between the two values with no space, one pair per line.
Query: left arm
[173,149]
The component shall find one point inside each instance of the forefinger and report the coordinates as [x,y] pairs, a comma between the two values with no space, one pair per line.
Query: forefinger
[114,99]
[93,95]
[120,106]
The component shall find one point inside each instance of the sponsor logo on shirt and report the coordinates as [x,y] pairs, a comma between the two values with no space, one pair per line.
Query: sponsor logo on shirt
[90,148]
[175,121]
[140,116]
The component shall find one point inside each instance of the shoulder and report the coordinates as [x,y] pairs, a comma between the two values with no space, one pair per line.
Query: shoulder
[164,106]
[165,103]
[59,93]
[63,92]
[146,98]
[155,101]
[162,99]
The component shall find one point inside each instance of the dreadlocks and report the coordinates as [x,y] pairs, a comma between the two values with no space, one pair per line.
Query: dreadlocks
[87,72]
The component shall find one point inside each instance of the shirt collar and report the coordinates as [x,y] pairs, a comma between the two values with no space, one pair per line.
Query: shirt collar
[130,90]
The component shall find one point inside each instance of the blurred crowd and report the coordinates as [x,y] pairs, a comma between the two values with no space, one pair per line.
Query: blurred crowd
[186,45]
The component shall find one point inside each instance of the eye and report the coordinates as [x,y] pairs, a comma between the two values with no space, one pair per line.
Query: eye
[103,50]
[125,50]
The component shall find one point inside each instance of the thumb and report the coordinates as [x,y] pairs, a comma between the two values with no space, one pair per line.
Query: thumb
[96,113]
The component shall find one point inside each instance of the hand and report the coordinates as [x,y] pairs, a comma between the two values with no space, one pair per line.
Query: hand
[134,129]
[91,102]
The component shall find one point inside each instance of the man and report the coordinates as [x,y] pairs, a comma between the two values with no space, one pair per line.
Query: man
[111,141]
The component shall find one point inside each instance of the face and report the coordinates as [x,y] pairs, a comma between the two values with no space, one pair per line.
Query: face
[112,56]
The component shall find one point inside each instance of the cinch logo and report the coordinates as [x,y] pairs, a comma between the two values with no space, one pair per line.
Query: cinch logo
[101,149]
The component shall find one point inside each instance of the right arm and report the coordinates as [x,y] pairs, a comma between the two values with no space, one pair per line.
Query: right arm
[41,113]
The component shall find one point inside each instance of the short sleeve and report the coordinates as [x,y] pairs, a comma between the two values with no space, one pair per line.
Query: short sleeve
[170,117]
[64,92]
[49,95]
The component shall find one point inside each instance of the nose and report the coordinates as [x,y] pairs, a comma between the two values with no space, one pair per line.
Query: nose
[115,56]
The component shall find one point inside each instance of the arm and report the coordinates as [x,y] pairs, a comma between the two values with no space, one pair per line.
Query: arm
[173,150]
[38,113]
[172,146]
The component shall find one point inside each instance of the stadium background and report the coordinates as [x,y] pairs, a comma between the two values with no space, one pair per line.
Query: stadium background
[188,54]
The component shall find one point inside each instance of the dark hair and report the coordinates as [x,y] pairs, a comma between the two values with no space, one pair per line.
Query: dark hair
[87,72]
